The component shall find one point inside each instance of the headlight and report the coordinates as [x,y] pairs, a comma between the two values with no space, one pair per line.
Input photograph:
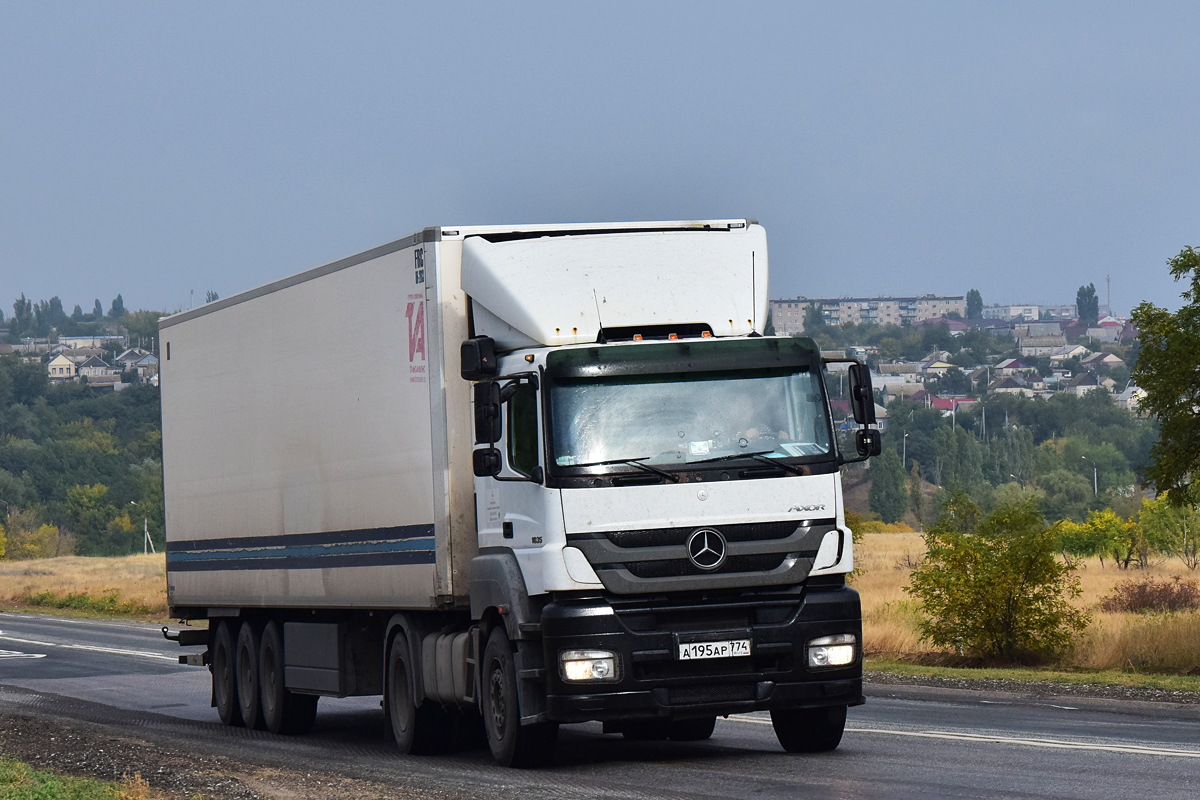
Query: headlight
[831,651]
[588,665]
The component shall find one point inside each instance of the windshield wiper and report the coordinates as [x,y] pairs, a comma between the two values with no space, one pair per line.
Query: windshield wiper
[633,462]
[759,455]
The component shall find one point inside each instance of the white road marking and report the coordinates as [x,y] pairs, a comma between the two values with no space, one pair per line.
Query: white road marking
[1058,744]
[13,654]
[91,648]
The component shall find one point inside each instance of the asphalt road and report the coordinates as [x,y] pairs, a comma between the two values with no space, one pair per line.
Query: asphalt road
[906,742]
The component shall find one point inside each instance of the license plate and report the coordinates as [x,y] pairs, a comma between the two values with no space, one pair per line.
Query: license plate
[693,650]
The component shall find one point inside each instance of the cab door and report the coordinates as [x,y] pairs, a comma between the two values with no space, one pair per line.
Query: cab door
[512,503]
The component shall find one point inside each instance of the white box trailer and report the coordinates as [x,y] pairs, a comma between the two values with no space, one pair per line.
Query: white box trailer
[409,473]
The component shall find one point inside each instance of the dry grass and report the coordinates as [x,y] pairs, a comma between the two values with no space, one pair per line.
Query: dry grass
[1154,642]
[139,581]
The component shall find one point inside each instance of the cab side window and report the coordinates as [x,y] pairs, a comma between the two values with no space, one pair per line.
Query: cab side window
[523,430]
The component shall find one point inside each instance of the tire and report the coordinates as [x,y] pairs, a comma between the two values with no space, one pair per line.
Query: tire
[512,744]
[224,676]
[246,662]
[422,730]
[809,730]
[692,730]
[283,710]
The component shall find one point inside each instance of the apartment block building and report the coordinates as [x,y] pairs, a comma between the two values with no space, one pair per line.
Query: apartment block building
[788,315]
[1029,313]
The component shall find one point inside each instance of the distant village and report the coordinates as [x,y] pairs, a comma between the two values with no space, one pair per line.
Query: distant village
[101,361]
[1039,350]
[1036,351]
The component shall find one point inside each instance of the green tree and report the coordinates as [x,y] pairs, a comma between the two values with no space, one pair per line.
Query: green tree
[22,320]
[995,589]
[887,496]
[1068,495]
[1087,305]
[1172,529]
[814,320]
[916,498]
[974,304]
[1168,362]
[97,310]
[89,513]
[143,325]
[959,458]
[117,309]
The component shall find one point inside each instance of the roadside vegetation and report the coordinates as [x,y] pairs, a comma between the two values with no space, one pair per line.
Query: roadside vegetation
[1141,641]
[80,471]
[127,586]
[19,781]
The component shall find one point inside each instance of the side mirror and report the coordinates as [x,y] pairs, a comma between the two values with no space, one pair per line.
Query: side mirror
[862,399]
[478,359]
[485,462]
[487,413]
[868,442]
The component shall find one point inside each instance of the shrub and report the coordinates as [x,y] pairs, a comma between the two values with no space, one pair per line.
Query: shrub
[992,587]
[1152,595]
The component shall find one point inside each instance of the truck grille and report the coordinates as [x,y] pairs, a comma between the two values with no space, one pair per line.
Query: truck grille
[652,560]
[664,569]
[756,532]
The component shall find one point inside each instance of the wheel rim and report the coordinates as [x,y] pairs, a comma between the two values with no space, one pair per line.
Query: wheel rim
[499,704]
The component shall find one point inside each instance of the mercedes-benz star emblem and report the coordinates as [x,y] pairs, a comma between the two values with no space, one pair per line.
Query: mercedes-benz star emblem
[706,548]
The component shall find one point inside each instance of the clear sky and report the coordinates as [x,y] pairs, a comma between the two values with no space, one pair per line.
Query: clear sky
[155,149]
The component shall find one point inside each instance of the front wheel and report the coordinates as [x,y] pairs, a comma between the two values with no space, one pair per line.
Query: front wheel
[512,744]
[809,730]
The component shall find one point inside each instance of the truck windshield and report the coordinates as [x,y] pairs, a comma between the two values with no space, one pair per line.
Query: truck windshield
[688,418]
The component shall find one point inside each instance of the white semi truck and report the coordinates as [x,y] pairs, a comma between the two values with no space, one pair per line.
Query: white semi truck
[515,476]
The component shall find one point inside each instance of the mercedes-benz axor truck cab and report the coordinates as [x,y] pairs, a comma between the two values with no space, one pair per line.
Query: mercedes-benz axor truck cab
[591,489]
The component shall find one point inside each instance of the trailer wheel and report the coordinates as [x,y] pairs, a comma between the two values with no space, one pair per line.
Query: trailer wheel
[512,744]
[224,676]
[283,710]
[420,730]
[692,730]
[247,676]
[809,730]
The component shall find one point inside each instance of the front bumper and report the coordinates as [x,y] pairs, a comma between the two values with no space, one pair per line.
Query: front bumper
[646,634]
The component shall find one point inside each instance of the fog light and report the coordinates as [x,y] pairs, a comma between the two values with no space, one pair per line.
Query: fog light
[588,665]
[831,651]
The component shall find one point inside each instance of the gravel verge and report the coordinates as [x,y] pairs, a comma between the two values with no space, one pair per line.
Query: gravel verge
[1035,689]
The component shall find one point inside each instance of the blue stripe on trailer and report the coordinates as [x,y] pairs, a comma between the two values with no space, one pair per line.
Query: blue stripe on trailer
[375,547]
